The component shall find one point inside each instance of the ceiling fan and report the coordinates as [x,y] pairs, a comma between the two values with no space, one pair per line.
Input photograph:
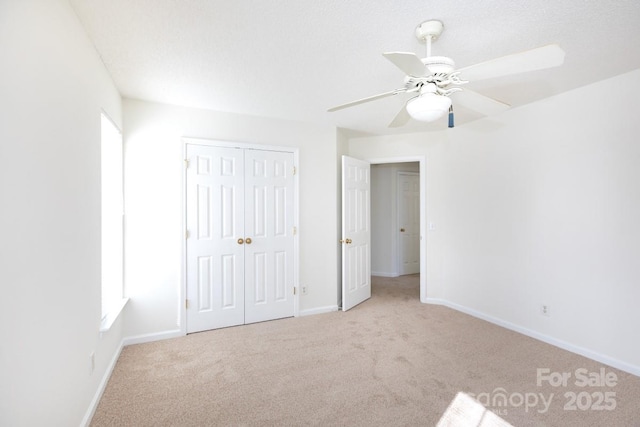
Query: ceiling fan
[434,78]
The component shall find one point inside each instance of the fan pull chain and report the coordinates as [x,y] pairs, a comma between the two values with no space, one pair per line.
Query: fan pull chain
[451,116]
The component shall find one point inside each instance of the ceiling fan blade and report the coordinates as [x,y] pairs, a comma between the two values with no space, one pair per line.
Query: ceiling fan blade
[480,103]
[408,62]
[530,60]
[401,119]
[368,99]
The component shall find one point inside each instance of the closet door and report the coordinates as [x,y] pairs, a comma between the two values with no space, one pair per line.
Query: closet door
[215,223]
[240,243]
[269,235]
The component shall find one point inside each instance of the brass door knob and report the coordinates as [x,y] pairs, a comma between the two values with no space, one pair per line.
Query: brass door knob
[402,230]
[240,241]
[348,241]
[247,240]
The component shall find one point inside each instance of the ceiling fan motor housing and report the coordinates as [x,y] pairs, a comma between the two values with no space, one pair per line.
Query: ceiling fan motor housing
[439,64]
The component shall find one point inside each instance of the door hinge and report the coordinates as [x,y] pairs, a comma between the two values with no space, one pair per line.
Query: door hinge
[186,163]
[294,290]
[186,304]
[186,234]
[295,230]
[294,170]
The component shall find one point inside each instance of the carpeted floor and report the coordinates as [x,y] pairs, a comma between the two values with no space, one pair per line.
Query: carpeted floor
[391,361]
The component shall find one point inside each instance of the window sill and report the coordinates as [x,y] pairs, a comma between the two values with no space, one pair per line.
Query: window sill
[110,318]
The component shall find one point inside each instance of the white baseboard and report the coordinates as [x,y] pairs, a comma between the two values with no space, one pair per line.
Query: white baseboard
[103,385]
[384,274]
[318,310]
[165,335]
[590,354]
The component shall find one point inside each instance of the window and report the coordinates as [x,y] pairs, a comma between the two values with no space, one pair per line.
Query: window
[112,222]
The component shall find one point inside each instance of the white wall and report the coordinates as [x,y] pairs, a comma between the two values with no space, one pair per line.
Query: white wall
[542,206]
[52,89]
[153,204]
[384,216]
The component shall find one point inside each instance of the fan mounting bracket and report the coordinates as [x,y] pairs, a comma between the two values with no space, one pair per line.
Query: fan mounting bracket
[429,29]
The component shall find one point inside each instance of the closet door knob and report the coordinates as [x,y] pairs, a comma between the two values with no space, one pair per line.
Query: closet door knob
[240,241]
[247,240]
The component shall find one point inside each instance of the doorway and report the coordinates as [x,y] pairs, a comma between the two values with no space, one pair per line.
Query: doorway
[387,237]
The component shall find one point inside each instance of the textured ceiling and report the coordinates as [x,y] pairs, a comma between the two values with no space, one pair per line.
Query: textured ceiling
[295,59]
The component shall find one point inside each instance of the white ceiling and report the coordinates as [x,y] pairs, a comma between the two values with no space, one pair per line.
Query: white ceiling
[295,59]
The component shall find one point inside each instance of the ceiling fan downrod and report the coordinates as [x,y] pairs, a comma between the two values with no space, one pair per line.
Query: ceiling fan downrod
[428,32]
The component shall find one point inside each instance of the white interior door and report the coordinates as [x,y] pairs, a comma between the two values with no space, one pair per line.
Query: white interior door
[269,237]
[215,258]
[409,222]
[356,232]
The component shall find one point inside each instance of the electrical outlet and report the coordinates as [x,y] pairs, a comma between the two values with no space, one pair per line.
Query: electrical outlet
[92,363]
[303,290]
[545,310]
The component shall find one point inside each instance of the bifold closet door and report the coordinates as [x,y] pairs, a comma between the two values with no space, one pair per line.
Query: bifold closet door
[240,241]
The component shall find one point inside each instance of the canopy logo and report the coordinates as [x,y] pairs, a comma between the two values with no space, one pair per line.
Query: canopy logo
[499,400]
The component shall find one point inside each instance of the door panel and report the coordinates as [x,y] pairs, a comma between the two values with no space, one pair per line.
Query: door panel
[282,291]
[356,232]
[205,296]
[231,286]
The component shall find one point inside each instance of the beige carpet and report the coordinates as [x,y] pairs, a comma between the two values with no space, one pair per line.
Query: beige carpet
[391,361]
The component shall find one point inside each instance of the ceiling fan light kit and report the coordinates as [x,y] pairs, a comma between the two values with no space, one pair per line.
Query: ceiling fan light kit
[434,78]
[428,107]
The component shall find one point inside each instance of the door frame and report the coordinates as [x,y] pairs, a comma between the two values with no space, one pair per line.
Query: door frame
[182,312]
[422,161]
